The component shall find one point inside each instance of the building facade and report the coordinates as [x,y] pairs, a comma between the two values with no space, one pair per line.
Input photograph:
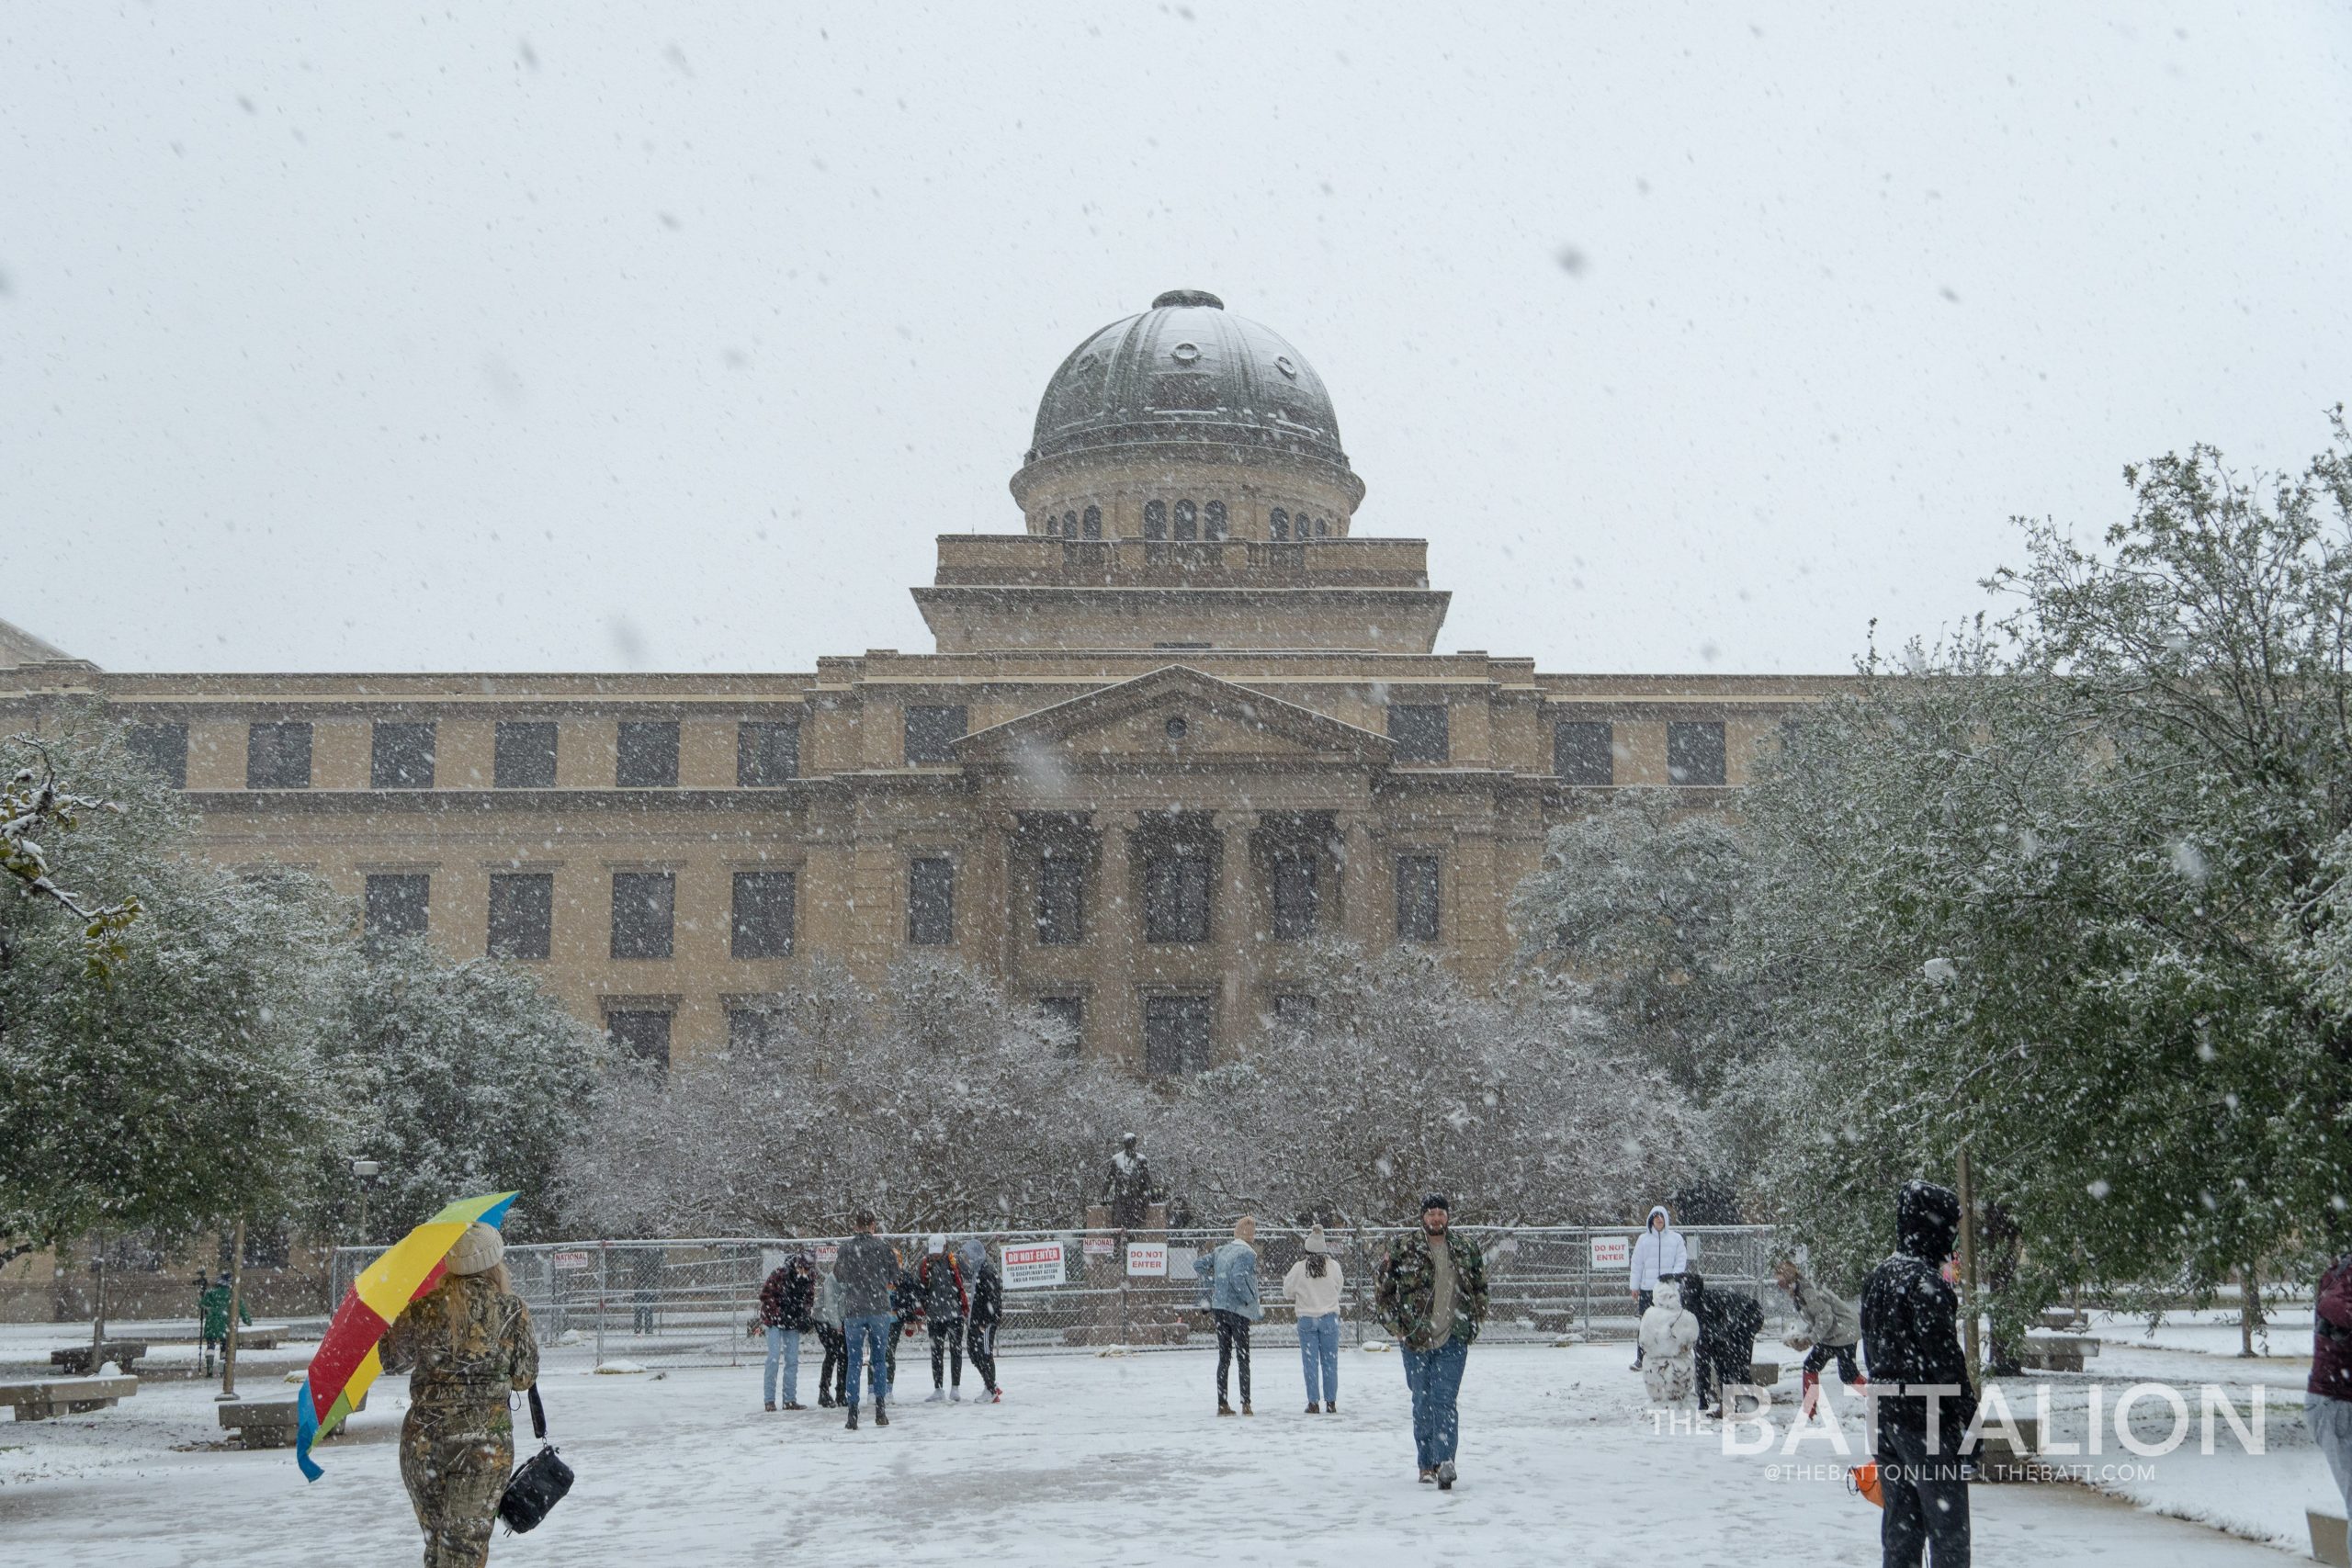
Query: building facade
[1181,725]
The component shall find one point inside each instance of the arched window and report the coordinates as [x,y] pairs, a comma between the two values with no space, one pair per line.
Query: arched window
[1278,523]
[1188,521]
[1322,527]
[1155,520]
[1070,525]
[1213,520]
[1093,521]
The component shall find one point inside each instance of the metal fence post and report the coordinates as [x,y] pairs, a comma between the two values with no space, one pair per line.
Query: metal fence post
[604,1252]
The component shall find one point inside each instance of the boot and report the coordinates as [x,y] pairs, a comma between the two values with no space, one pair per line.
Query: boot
[1445,1475]
[793,1405]
[881,1416]
[824,1402]
[1246,1410]
[1312,1408]
[771,1405]
[1331,1407]
[1222,1407]
[852,1419]
[1429,1473]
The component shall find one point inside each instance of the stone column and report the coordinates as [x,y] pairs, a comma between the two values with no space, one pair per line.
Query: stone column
[1360,884]
[1234,928]
[1113,928]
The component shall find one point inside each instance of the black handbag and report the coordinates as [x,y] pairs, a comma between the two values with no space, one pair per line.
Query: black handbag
[539,1482]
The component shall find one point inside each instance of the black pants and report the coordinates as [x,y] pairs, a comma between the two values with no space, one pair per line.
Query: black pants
[1641,1303]
[1232,1345]
[1927,1500]
[1723,1363]
[947,1350]
[832,1378]
[1818,1358]
[890,1357]
[981,1341]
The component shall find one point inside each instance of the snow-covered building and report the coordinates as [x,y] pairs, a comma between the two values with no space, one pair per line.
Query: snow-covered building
[1183,720]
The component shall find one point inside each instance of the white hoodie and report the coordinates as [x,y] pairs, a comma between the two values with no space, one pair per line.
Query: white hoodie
[1658,1252]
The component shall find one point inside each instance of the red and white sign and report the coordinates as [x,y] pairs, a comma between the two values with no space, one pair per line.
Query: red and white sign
[569,1259]
[1147,1259]
[1102,1246]
[1033,1264]
[828,1250]
[1613,1251]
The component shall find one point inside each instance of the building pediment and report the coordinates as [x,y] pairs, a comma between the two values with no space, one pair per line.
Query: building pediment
[1175,716]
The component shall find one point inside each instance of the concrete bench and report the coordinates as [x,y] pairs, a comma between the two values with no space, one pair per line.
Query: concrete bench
[2056,1353]
[2062,1317]
[2328,1537]
[75,1360]
[1998,1459]
[260,1423]
[41,1399]
[1763,1374]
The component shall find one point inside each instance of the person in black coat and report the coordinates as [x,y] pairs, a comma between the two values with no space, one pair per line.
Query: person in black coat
[988,1311]
[1911,1334]
[1725,1354]
[906,1316]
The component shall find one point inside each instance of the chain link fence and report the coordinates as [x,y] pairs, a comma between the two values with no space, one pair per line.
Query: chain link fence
[695,1303]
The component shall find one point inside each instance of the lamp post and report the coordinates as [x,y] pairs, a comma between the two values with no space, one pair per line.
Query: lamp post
[364,1171]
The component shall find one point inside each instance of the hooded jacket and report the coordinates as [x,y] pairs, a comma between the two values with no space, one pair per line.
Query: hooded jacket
[1911,1318]
[1658,1253]
[1829,1319]
[939,1284]
[988,1293]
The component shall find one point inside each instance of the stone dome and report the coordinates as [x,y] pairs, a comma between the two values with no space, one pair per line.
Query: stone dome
[1188,372]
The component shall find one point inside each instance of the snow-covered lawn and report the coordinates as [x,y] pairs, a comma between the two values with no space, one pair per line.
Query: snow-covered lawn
[1090,1460]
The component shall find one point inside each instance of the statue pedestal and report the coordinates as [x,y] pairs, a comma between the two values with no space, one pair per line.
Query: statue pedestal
[1120,1311]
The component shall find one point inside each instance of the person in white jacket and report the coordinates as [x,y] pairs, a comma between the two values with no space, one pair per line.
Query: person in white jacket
[1659,1253]
[1669,1337]
[1313,1286]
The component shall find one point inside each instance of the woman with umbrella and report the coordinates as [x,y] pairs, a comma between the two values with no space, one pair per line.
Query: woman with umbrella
[464,1343]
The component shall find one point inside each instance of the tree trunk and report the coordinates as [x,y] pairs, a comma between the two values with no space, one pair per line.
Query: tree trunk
[1968,1301]
[2249,1308]
[236,1304]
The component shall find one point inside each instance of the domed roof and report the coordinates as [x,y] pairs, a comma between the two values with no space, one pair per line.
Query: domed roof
[1187,370]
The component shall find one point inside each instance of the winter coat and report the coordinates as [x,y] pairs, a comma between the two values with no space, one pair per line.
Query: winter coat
[788,1299]
[988,1294]
[1232,1273]
[1829,1319]
[1311,1296]
[939,1285]
[1728,1327]
[212,1307]
[1669,1339]
[868,1268]
[2332,1336]
[906,1299]
[1658,1253]
[828,1303]
[1911,1318]
[1405,1288]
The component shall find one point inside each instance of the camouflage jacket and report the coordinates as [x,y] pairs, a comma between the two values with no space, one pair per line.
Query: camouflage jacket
[465,1342]
[1406,1281]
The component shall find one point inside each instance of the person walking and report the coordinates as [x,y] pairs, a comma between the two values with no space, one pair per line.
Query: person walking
[988,1311]
[1232,1275]
[868,1271]
[1313,1286]
[1430,1292]
[946,1303]
[2328,1397]
[1659,1253]
[787,1309]
[466,1343]
[832,1383]
[1911,1333]
[212,1318]
[1832,1328]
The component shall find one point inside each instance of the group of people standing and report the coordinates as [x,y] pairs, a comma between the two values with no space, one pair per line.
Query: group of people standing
[868,1300]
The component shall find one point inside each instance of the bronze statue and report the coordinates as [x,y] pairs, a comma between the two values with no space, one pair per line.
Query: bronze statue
[1126,1189]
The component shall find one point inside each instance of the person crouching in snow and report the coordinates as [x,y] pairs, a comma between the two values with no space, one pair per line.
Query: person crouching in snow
[1727,1328]
[1669,1339]
[1832,1328]
[1659,1253]
[939,1281]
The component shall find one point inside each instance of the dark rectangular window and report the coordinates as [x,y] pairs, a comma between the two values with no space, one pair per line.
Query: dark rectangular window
[766,754]
[1418,889]
[647,755]
[277,756]
[763,911]
[645,908]
[1175,1036]
[1061,900]
[1069,1014]
[401,757]
[396,906]
[931,734]
[1176,897]
[931,903]
[1420,732]
[1295,1011]
[642,1034]
[1694,753]
[160,748]
[522,914]
[1584,753]
[524,755]
[751,1030]
[1297,899]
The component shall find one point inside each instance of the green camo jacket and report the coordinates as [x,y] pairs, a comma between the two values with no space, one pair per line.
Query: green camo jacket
[1405,1283]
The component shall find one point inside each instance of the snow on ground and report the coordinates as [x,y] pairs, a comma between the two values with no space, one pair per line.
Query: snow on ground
[1091,1460]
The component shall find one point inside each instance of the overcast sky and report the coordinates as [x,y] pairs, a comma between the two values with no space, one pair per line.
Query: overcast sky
[668,336]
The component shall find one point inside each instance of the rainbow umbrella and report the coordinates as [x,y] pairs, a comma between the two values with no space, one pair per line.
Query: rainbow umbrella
[347,1362]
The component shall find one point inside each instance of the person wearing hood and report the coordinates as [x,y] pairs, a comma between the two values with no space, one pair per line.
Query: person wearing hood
[466,1343]
[1669,1339]
[1232,1275]
[1659,1253]
[1314,1285]
[988,1311]
[1832,1328]
[1911,1334]
[787,1309]
[1430,1291]
[947,1301]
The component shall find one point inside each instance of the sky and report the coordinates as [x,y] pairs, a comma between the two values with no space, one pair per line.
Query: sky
[1691,338]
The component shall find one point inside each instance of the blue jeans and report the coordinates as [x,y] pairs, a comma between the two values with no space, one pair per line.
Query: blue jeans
[1318,1354]
[1436,1378]
[869,1341]
[784,1344]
